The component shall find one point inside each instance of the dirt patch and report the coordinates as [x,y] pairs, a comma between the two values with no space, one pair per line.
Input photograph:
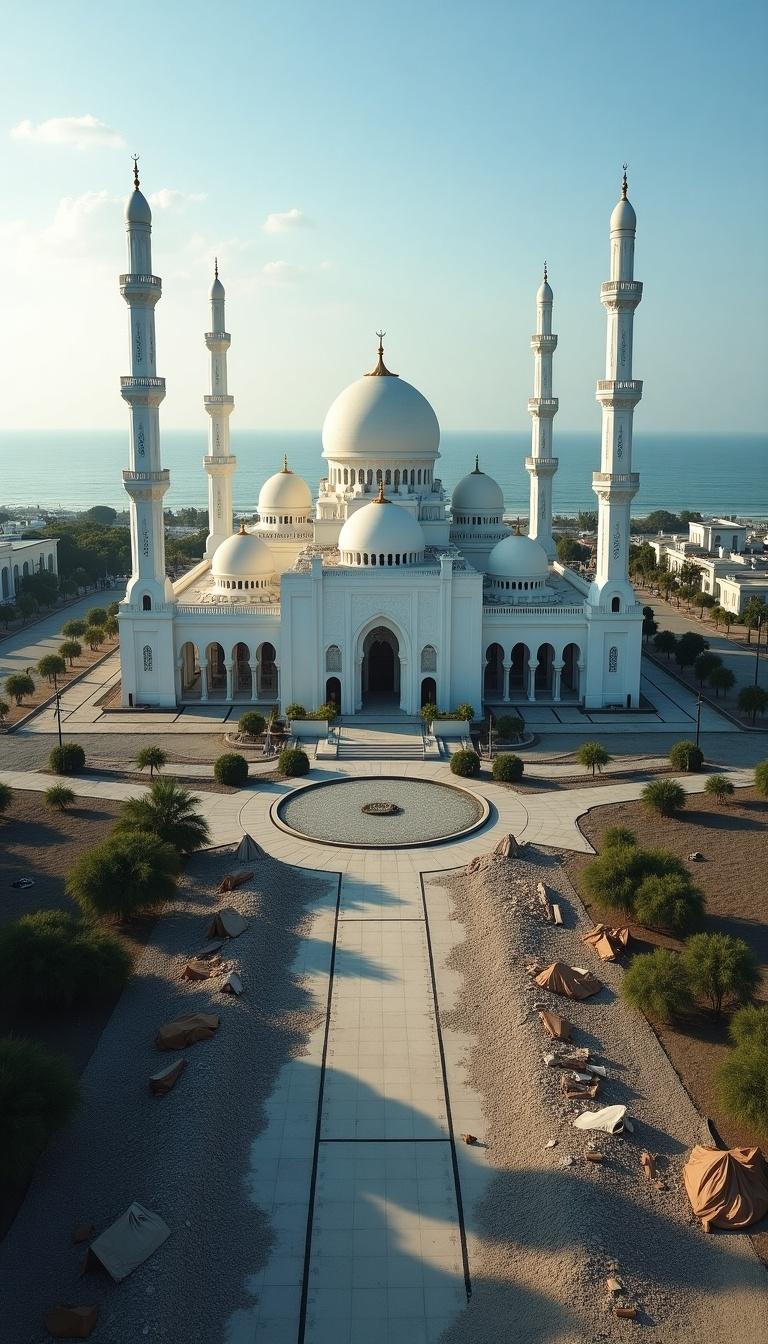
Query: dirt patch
[734,841]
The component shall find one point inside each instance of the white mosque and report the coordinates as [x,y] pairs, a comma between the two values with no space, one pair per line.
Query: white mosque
[382,595]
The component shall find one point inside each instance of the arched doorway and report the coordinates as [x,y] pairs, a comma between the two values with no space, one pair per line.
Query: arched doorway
[217,672]
[381,668]
[190,671]
[267,672]
[543,675]
[518,674]
[429,691]
[493,678]
[570,676]
[333,692]
[243,677]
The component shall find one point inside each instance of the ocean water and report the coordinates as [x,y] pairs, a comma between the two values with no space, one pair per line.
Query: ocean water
[715,473]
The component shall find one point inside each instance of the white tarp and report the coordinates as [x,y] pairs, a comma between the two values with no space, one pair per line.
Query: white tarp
[129,1241]
[248,850]
[610,1120]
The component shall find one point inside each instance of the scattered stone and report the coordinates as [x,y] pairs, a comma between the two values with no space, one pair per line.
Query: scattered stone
[696,857]
[469,1138]
[614,1285]
[551,1143]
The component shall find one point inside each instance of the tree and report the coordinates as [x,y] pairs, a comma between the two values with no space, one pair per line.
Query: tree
[52,666]
[96,616]
[569,552]
[169,812]
[664,797]
[74,629]
[129,872]
[94,637]
[718,615]
[43,586]
[295,711]
[669,901]
[742,1085]
[27,604]
[721,969]
[113,608]
[688,648]
[59,796]
[587,520]
[231,769]
[705,665]
[719,787]
[703,601]
[6,795]
[657,984]
[19,685]
[686,756]
[592,755]
[650,624]
[111,627]
[68,759]
[722,679]
[50,959]
[293,762]
[752,700]
[251,724]
[465,763]
[101,513]
[71,649]
[508,768]
[761,778]
[8,613]
[4,711]
[153,758]
[665,642]
[38,1094]
[753,615]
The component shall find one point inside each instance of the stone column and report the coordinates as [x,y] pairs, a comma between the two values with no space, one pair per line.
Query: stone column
[507,669]
[203,682]
[357,693]
[532,665]
[178,679]
[229,667]
[254,680]
[405,695]
[557,669]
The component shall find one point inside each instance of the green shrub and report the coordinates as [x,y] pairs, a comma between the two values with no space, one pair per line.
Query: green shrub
[722,679]
[6,794]
[618,837]
[127,873]
[4,710]
[749,1026]
[231,768]
[68,759]
[19,685]
[612,879]
[169,812]
[721,969]
[752,700]
[686,756]
[465,763]
[251,724]
[657,984]
[594,755]
[664,796]
[96,616]
[53,960]
[59,796]
[761,778]
[38,1094]
[742,1084]
[71,649]
[295,711]
[465,711]
[508,727]
[293,762]
[705,665]
[428,713]
[52,666]
[508,768]
[719,787]
[669,901]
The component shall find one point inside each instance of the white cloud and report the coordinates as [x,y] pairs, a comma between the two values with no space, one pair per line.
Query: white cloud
[282,222]
[83,132]
[281,273]
[168,198]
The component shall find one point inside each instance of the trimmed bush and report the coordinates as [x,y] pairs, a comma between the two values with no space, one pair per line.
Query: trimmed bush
[68,759]
[152,759]
[59,796]
[686,756]
[127,873]
[721,969]
[295,711]
[38,1093]
[664,797]
[749,1026]
[465,711]
[507,768]
[71,649]
[6,794]
[742,1085]
[719,787]
[231,768]
[761,778]
[669,901]
[657,984]
[53,960]
[293,762]
[617,837]
[428,712]
[74,629]
[19,685]
[169,812]
[594,755]
[251,724]
[465,763]
[52,666]
[612,879]
[508,727]
[96,616]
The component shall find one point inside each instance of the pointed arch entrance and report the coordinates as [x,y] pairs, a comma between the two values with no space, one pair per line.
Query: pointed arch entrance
[380,671]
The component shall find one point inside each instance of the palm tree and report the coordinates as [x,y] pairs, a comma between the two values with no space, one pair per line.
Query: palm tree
[51,666]
[168,811]
[18,685]
[153,757]
[71,649]
[592,754]
[752,700]
[664,796]
[3,711]
[721,679]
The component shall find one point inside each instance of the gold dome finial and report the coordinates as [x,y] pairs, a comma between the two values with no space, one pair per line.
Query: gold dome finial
[381,370]
[285,463]
[518,532]
[135,158]
[624,184]
[380,497]
[242,528]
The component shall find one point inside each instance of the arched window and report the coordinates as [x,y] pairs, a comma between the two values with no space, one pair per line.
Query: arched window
[146,654]
[418,476]
[378,475]
[615,604]
[397,478]
[361,477]
[428,659]
[146,603]
[50,563]
[613,658]
[388,476]
[333,658]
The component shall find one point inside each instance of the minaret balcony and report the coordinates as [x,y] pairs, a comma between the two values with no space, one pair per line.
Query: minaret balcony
[619,391]
[151,390]
[219,464]
[146,484]
[616,485]
[621,293]
[543,344]
[136,286]
[543,466]
[544,406]
[217,400]
[218,340]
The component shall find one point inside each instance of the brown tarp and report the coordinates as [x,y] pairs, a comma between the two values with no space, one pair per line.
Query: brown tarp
[130,1241]
[607,943]
[162,1082]
[248,850]
[557,1027]
[227,924]
[562,979]
[572,1088]
[726,1188]
[197,969]
[68,1322]
[507,848]
[232,880]
[186,1030]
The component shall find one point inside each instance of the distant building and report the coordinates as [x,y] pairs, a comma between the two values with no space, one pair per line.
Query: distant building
[18,559]
[730,571]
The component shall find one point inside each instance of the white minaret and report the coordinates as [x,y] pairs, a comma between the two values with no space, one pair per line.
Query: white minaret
[615,484]
[218,462]
[542,406]
[145,481]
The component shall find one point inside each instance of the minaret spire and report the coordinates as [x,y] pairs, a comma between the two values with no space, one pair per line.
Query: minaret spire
[218,461]
[615,484]
[542,407]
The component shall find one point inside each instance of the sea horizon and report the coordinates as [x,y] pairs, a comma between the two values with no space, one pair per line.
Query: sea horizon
[76,469]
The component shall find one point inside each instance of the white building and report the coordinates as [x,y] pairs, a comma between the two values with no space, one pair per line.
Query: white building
[384,594]
[718,548]
[20,559]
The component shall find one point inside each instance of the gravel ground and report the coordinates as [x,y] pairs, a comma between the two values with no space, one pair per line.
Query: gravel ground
[553,1226]
[186,1155]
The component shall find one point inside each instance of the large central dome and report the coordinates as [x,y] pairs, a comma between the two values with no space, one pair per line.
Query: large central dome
[381,418]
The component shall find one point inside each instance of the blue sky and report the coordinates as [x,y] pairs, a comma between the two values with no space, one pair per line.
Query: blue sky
[421,160]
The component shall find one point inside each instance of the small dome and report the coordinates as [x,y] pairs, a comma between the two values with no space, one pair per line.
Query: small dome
[137,209]
[477,492]
[242,556]
[518,557]
[381,529]
[544,293]
[217,289]
[623,219]
[284,490]
[379,418]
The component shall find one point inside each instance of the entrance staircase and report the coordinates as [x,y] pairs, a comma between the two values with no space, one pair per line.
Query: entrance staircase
[380,740]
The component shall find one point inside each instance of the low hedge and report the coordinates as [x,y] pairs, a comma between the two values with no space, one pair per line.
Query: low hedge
[509,726]
[293,762]
[231,768]
[465,763]
[38,1093]
[507,768]
[51,959]
[251,724]
[68,759]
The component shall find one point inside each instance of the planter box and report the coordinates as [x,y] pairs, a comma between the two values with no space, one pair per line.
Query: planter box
[309,728]
[450,728]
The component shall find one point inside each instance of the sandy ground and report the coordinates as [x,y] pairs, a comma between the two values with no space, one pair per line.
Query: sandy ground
[551,1225]
[185,1155]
